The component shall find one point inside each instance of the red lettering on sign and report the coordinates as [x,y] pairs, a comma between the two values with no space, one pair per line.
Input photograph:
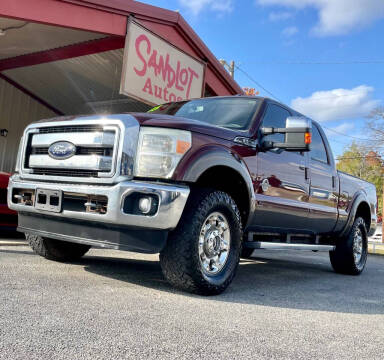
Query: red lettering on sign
[179,78]
[178,87]
[152,62]
[165,94]
[148,87]
[139,39]
[192,74]
[184,77]
[158,91]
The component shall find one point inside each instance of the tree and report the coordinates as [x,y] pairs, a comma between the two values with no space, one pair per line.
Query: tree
[366,164]
[375,124]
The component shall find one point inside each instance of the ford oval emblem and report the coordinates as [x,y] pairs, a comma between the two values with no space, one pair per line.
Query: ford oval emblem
[61,150]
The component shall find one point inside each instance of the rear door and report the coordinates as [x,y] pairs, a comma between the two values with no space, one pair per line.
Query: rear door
[324,184]
[282,186]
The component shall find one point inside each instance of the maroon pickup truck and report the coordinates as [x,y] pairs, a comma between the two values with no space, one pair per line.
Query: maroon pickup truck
[202,182]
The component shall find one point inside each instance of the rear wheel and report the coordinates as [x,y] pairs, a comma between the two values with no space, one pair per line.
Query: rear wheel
[350,255]
[56,249]
[202,253]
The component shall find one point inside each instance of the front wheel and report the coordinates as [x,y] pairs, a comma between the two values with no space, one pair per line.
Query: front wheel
[350,255]
[56,250]
[202,254]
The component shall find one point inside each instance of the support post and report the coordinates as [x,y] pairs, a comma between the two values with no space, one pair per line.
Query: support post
[232,69]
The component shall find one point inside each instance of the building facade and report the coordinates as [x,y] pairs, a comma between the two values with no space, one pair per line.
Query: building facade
[75,57]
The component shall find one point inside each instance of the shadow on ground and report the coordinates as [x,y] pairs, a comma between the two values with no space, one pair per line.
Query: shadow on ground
[296,281]
[308,284]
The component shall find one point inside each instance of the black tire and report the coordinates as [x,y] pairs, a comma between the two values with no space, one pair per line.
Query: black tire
[56,250]
[343,259]
[180,259]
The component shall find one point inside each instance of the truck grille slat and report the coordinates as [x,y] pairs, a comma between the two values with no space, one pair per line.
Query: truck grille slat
[79,151]
[68,173]
[70,129]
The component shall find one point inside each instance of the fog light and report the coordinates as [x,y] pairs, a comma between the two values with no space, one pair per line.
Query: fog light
[145,204]
[141,204]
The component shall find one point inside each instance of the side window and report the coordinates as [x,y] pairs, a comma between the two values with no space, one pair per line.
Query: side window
[318,150]
[275,116]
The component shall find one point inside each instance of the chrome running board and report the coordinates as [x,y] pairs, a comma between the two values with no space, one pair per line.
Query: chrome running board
[285,246]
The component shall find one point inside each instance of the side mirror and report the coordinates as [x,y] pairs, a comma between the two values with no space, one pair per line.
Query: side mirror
[298,135]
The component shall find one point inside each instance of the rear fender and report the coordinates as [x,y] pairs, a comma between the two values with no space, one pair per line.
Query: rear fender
[359,198]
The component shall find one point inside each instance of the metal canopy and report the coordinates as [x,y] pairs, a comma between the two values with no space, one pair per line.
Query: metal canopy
[81,85]
[22,37]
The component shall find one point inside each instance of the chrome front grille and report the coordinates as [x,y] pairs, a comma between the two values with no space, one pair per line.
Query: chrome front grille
[93,155]
[88,149]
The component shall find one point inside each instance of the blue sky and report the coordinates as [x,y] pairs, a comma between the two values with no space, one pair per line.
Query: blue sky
[324,58]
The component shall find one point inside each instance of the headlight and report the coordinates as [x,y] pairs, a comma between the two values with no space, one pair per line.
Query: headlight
[160,150]
[18,158]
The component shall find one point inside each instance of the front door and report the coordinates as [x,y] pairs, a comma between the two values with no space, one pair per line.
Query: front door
[282,187]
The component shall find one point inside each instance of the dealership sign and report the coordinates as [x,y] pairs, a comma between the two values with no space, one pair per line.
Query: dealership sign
[156,72]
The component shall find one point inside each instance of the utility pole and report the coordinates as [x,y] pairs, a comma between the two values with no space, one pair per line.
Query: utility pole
[230,67]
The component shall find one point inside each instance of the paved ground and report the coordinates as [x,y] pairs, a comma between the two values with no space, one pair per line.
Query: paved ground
[115,305]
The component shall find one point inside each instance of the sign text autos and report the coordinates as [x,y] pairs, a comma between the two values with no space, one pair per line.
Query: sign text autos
[154,71]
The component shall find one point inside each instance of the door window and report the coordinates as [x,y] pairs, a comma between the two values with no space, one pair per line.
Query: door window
[318,149]
[276,117]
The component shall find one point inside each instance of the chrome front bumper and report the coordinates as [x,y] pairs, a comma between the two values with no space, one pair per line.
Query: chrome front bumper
[172,200]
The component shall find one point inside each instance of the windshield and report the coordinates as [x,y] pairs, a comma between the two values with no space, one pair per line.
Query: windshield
[232,112]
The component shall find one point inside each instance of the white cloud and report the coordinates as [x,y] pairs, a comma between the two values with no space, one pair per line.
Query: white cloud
[343,128]
[337,104]
[280,16]
[290,31]
[337,17]
[196,6]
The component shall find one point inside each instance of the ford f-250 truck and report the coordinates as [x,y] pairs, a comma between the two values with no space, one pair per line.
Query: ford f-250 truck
[202,182]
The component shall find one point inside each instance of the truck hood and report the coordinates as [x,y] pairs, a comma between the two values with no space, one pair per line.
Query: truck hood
[169,121]
[175,122]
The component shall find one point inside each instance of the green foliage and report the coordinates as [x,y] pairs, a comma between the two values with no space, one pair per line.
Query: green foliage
[366,164]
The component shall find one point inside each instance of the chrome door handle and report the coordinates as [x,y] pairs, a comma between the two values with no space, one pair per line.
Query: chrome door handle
[304,168]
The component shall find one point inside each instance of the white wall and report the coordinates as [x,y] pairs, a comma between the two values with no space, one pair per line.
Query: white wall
[17,110]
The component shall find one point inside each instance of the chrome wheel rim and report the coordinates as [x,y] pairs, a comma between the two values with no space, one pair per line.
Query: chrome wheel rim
[214,243]
[358,246]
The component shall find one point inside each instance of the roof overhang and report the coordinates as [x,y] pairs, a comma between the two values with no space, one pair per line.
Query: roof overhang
[110,17]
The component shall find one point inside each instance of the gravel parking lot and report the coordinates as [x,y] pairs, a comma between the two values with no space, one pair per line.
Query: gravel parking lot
[116,305]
